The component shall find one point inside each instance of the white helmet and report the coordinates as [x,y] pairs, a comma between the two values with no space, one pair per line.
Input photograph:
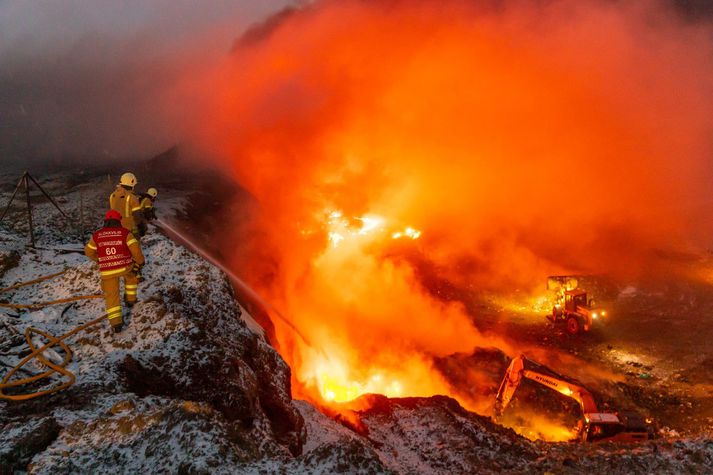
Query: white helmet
[128,179]
[152,192]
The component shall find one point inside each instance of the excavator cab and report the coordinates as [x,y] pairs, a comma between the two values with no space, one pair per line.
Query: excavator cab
[616,427]
[592,432]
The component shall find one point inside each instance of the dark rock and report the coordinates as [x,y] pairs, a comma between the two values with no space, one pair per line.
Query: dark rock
[23,439]
[8,260]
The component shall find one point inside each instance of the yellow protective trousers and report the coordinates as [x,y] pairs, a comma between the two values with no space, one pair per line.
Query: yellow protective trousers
[111,289]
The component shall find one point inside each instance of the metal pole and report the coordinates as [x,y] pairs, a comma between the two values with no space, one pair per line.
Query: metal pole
[17,188]
[81,213]
[29,210]
[47,195]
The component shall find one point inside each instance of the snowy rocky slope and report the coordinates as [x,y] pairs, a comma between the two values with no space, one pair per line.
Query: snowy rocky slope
[190,387]
[185,341]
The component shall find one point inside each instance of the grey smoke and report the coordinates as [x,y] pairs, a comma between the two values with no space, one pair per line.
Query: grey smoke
[82,79]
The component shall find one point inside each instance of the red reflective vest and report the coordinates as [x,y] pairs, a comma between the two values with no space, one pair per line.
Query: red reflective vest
[113,252]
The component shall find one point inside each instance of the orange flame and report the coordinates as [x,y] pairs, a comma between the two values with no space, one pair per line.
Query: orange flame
[500,147]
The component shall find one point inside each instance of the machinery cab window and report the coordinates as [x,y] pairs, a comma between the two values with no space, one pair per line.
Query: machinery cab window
[573,299]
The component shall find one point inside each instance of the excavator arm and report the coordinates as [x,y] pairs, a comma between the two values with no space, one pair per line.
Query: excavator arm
[597,425]
[522,367]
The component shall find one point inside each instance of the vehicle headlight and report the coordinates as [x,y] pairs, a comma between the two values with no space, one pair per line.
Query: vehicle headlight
[594,315]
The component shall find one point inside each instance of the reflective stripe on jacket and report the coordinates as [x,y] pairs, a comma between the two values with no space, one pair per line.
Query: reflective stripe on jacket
[127,204]
[115,250]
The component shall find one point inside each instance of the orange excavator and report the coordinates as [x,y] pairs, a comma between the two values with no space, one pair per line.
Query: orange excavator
[594,425]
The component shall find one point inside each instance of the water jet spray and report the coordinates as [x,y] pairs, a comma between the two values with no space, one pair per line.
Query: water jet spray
[232,276]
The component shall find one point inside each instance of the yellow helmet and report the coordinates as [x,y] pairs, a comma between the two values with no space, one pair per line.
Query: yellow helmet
[128,179]
[152,192]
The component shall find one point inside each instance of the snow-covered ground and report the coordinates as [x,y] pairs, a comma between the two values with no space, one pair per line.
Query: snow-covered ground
[189,387]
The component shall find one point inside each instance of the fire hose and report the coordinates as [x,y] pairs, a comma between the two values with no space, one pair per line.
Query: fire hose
[34,281]
[38,352]
[42,304]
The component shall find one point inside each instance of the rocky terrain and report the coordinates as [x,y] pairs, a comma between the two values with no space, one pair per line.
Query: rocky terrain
[192,385]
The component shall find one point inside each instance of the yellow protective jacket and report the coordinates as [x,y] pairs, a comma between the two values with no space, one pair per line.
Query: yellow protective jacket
[147,208]
[127,203]
[121,248]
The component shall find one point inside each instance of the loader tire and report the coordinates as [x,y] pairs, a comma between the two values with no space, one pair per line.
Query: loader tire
[573,325]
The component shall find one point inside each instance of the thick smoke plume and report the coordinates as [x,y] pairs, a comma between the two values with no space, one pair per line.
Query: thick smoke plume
[519,141]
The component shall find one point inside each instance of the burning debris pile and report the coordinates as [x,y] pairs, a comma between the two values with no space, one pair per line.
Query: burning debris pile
[382,139]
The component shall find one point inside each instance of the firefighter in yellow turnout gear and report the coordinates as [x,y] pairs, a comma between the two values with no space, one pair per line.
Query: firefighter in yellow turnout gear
[127,203]
[119,256]
[147,210]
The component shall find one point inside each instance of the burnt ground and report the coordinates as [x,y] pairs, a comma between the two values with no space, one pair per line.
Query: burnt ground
[653,353]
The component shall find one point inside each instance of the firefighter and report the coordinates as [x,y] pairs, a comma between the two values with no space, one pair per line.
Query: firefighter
[119,256]
[147,209]
[127,203]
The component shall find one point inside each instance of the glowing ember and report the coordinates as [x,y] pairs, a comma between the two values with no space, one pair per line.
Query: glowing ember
[335,385]
[341,228]
[335,238]
[408,232]
[340,380]
[370,223]
[541,428]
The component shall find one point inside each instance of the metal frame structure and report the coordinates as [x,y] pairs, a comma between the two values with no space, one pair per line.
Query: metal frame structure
[25,180]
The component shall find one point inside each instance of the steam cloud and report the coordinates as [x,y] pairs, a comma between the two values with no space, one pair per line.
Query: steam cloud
[522,140]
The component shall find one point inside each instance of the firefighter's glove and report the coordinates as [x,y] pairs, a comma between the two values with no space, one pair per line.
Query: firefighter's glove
[136,269]
[143,228]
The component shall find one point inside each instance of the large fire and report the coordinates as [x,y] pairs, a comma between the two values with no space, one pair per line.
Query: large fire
[340,275]
[499,145]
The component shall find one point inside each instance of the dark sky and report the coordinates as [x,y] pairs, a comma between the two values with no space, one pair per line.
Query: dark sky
[81,78]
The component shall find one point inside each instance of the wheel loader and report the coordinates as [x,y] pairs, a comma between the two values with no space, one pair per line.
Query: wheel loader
[572,308]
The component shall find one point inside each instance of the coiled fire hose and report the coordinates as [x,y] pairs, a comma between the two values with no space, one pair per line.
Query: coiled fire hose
[37,352]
